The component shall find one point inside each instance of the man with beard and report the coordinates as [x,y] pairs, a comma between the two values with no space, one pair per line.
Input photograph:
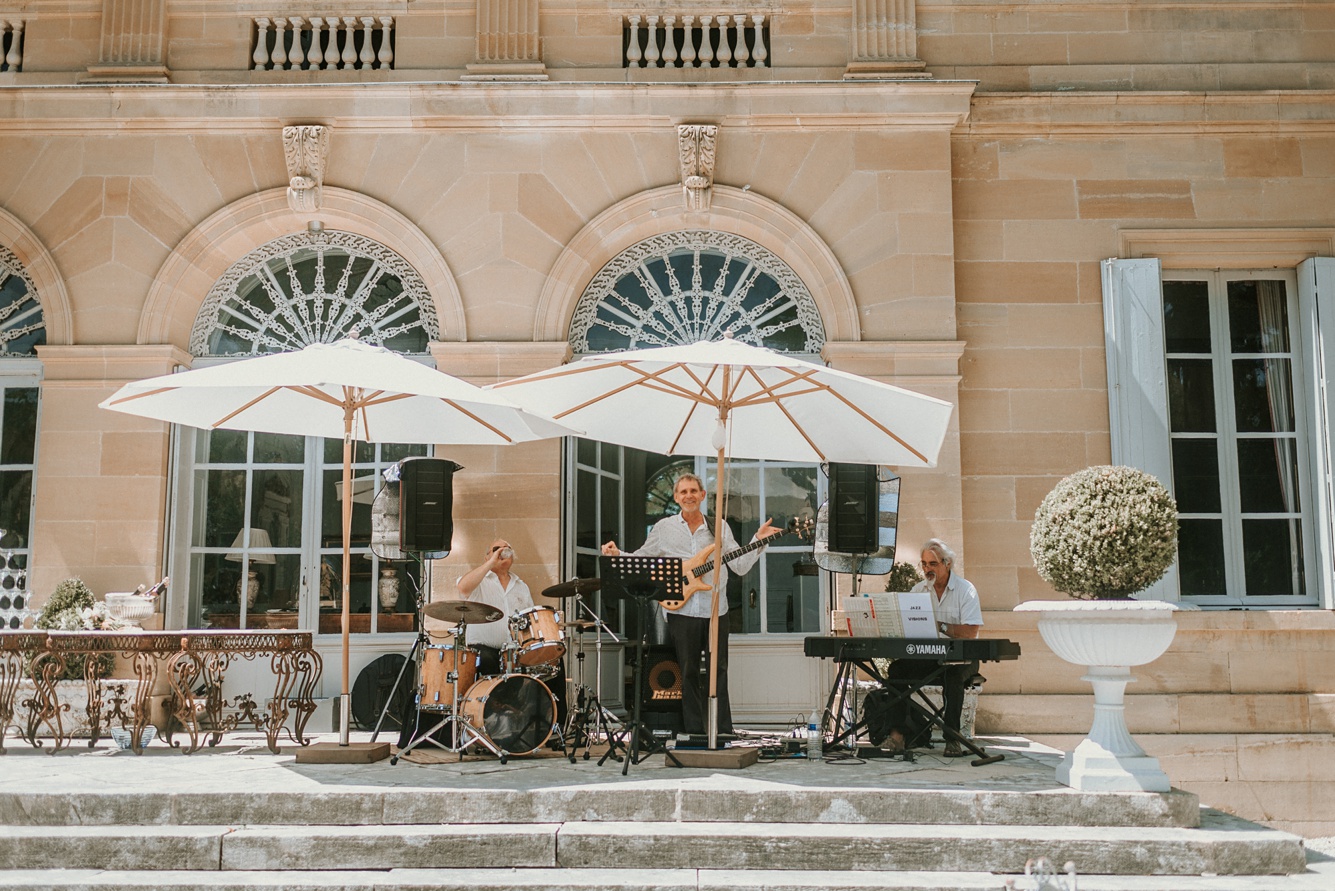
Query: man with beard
[958,614]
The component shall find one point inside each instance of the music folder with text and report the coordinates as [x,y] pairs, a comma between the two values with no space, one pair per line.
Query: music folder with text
[889,614]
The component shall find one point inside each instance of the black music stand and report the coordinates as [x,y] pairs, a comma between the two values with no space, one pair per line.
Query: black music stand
[645,579]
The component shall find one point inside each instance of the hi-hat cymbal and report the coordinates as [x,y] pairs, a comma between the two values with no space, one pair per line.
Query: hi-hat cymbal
[465,612]
[582,625]
[573,588]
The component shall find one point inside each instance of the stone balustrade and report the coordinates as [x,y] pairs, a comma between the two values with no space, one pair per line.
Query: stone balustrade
[11,45]
[323,43]
[692,40]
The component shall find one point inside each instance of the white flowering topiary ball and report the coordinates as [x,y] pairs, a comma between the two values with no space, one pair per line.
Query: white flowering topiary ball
[1104,533]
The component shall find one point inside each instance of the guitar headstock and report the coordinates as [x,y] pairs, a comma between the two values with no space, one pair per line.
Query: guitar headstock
[802,527]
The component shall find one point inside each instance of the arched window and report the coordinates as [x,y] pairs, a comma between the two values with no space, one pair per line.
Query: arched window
[678,288]
[259,520]
[681,287]
[22,329]
[315,287]
[22,326]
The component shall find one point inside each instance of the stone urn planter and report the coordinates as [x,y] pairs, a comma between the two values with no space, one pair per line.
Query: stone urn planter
[1102,535]
[1109,637]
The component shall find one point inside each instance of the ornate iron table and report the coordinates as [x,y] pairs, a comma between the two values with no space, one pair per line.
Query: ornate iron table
[195,663]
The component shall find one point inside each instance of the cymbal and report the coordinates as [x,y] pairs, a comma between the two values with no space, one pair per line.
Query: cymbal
[582,626]
[573,588]
[465,612]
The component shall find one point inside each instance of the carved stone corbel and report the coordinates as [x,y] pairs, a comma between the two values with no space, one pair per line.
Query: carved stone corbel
[695,149]
[306,149]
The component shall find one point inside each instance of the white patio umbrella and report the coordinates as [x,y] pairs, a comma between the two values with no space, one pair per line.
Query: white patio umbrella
[730,399]
[345,390]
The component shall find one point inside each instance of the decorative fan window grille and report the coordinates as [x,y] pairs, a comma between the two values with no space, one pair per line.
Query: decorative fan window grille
[681,287]
[22,325]
[316,287]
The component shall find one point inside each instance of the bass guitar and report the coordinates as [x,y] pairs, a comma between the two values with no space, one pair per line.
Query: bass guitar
[696,568]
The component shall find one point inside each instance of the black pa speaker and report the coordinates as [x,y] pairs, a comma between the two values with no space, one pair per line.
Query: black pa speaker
[426,501]
[854,515]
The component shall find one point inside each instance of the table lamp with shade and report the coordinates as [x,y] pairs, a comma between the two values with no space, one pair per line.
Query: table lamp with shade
[259,538]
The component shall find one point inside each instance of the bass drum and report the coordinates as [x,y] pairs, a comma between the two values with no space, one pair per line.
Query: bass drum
[514,711]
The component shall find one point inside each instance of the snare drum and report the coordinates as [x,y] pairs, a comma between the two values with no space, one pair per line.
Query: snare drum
[438,663]
[514,711]
[538,637]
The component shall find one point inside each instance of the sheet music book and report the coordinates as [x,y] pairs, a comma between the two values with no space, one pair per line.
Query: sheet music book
[890,614]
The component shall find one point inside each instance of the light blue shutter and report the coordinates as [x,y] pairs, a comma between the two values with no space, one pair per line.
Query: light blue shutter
[1316,312]
[1137,385]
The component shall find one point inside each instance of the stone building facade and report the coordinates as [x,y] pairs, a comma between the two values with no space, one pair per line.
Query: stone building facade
[1104,231]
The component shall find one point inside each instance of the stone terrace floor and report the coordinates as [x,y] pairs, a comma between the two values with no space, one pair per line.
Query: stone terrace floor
[242,764]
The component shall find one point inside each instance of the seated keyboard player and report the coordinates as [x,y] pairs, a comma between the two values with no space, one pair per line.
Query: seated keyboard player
[958,614]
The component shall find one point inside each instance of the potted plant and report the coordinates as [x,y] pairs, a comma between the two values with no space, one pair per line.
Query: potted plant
[1101,536]
[902,577]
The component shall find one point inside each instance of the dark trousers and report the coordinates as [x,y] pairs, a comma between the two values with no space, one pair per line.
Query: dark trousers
[898,715]
[689,636]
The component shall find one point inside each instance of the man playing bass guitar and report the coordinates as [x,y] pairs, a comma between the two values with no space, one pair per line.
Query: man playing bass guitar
[686,535]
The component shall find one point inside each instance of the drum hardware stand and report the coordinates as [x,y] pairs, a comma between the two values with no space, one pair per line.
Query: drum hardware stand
[646,579]
[591,718]
[462,733]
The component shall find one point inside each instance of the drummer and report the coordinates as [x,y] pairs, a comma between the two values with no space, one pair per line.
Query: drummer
[492,583]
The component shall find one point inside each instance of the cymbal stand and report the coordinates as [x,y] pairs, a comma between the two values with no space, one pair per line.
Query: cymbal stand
[462,733]
[592,719]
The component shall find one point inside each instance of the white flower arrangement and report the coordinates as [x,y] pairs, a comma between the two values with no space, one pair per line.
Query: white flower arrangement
[1104,533]
[98,618]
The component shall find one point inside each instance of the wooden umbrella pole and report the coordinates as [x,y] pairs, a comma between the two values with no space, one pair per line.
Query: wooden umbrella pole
[718,566]
[713,611]
[345,700]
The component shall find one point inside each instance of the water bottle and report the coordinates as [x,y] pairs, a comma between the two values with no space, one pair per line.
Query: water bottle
[815,743]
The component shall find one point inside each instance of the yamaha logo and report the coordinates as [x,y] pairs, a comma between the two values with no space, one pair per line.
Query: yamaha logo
[910,649]
[931,649]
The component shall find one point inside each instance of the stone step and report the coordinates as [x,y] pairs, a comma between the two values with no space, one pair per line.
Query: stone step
[1032,714]
[1222,846]
[773,803]
[1321,877]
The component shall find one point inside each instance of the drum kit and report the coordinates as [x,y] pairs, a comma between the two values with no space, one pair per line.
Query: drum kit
[513,713]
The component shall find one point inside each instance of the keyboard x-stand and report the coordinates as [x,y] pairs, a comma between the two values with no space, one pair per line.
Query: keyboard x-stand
[853,653]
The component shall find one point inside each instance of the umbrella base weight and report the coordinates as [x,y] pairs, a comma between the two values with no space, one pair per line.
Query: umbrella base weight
[733,758]
[333,753]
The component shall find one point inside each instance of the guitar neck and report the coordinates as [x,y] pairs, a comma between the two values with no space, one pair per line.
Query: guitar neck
[708,566]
